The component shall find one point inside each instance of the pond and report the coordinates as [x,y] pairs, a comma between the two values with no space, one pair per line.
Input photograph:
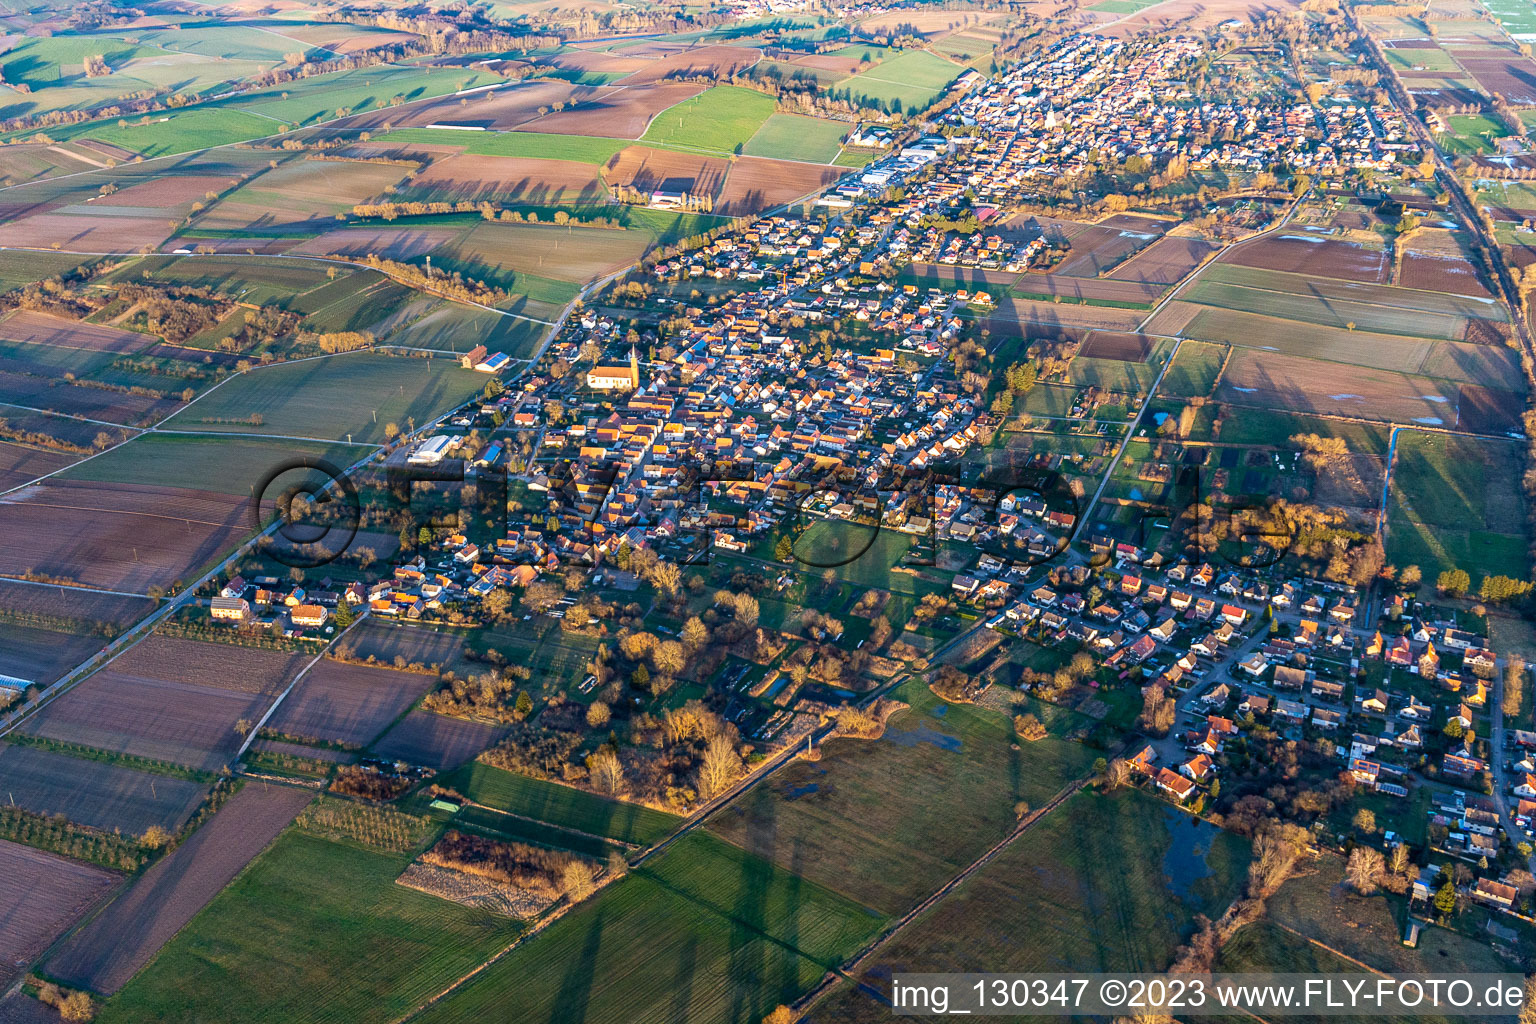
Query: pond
[1190,840]
[922,734]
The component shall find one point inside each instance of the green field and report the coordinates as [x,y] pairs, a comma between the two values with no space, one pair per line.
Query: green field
[910,81]
[706,932]
[1454,502]
[182,131]
[1334,290]
[582,149]
[1112,374]
[1471,134]
[1102,883]
[1325,311]
[562,805]
[458,328]
[356,394]
[795,137]
[1194,370]
[888,821]
[828,541]
[1517,18]
[326,96]
[227,465]
[312,931]
[287,283]
[719,120]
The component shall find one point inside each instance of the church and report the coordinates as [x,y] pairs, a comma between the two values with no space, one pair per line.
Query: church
[616,378]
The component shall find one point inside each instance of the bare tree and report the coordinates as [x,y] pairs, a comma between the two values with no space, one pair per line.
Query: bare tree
[607,773]
[719,768]
[1364,869]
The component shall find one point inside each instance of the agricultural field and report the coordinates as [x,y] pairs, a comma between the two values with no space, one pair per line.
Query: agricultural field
[796,137]
[314,930]
[875,820]
[910,80]
[118,536]
[129,932]
[349,704]
[357,394]
[1113,883]
[298,193]
[704,932]
[94,793]
[1194,370]
[562,805]
[1454,503]
[157,701]
[40,897]
[435,741]
[721,120]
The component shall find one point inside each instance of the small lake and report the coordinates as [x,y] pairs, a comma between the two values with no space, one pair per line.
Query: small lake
[922,734]
[1184,863]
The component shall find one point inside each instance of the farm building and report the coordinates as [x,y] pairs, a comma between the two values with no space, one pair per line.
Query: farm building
[230,609]
[431,451]
[493,363]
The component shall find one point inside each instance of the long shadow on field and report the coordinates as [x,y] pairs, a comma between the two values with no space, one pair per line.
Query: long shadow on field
[748,958]
[570,1005]
[682,983]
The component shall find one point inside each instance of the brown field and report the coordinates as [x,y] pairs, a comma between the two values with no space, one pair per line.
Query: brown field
[392,243]
[301,191]
[1165,262]
[620,112]
[346,703]
[436,741]
[1098,247]
[40,896]
[387,641]
[200,663]
[650,169]
[1487,411]
[1325,258]
[927,23]
[169,193]
[712,61]
[26,162]
[1270,380]
[84,233]
[1130,348]
[41,329]
[1088,288]
[755,184]
[528,180]
[20,1008]
[68,602]
[587,60]
[125,936]
[20,464]
[826,62]
[1012,312]
[1513,77]
[95,793]
[146,717]
[571,254]
[500,108]
[42,655]
[75,400]
[1440,274]
[116,536]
